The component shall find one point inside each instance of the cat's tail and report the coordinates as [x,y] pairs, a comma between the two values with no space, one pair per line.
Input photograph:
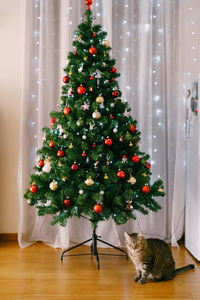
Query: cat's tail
[183,270]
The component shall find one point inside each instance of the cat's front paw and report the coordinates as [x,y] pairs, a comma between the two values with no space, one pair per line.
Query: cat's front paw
[137,277]
[142,281]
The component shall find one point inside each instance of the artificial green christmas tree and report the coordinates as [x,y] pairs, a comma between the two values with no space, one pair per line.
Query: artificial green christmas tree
[90,162]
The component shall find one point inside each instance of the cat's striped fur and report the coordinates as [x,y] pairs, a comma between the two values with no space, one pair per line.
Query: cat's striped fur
[152,258]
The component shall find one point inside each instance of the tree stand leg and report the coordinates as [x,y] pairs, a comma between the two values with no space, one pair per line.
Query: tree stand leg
[94,250]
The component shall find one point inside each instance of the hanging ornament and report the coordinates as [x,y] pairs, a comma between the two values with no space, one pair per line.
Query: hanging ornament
[79,37]
[79,122]
[96,115]
[70,73]
[106,177]
[74,167]
[60,153]
[92,50]
[88,3]
[94,34]
[94,145]
[135,158]
[102,193]
[47,166]
[80,69]
[91,77]
[40,163]
[129,207]
[59,164]
[128,136]
[144,174]
[132,128]
[111,116]
[115,130]
[84,154]
[161,190]
[75,53]
[67,202]
[130,144]
[81,90]
[108,141]
[113,79]
[84,137]
[71,146]
[53,185]
[30,202]
[90,88]
[125,159]
[85,106]
[66,110]
[96,164]
[91,126]
[52,122]
[70,92]
[120,174]
[146,189]
[33,188]
[113,70]
[126,113]
[81,192]
[51,144]
[99,99]
[85,58]
[121,139]
[97,208]
[147,165]
[65,79]
[112,105]
[64,178]
[89,181]
[132,180]
[115,93]
[106,43]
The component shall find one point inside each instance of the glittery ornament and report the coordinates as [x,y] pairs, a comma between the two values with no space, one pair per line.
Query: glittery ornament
[89,181]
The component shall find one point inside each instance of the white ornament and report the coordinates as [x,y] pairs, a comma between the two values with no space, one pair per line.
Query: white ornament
[101,192]
[70,91]
[81,192]
[92,126]
[84,137]
[47,167]
[48,203]
[65,136]
[85,106]
[126,113]
[132,180]
[80,69]
[112,105]
[61,130]
[115,130]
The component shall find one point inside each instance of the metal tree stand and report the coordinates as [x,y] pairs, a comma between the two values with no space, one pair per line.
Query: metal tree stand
[94,250]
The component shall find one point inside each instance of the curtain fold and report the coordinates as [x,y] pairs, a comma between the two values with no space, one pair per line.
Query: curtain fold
[144,39]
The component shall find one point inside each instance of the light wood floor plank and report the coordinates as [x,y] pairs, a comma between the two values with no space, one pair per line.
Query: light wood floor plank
[36,272]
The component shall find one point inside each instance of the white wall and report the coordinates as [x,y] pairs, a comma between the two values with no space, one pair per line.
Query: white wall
[11,33]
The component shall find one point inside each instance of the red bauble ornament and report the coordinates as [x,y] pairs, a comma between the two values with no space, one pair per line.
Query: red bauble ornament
[97,208]
[67,202]
[53,121]
[65,79]
[115,93]
[94,145]
[81,90]
[51,144]
[92,50]
[74,167]
[108,142]
[94,34]
[33,188]
[113,70]
[84,154]
[132,128]
[75,53]
[88,2]
[120,174]
[92,78]
[135,158]
[147,165]
[66,110]
[146,189]
[111,117]
[60,153]
[40,163]
[113,79]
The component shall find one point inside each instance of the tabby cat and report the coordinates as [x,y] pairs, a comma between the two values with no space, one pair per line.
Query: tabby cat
[152,258]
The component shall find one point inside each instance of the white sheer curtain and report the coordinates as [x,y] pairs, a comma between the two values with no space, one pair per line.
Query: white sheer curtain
[144,37]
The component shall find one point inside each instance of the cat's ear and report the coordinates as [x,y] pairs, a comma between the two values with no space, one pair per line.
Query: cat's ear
[140,234]
[127,236]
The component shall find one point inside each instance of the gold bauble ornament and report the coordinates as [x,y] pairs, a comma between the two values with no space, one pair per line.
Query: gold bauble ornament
[71,146]
[96,115]
[53,185]
[121,139]
[104,53]
[99,99]
[161,190]
[59,164]
[130,144]
[70,73]
[106,177]
[85,58]
[132,180]
[90,88]
[89,181]
[106,43]
[64,178]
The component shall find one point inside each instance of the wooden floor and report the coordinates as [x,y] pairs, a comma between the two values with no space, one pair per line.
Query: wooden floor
[36,272]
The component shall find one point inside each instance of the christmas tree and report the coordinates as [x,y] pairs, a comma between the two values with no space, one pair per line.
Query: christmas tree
[90,162]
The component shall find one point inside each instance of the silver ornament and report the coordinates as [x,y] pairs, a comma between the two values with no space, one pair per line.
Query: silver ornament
[84,137]
[81,192]
[115,130]
[101,192]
